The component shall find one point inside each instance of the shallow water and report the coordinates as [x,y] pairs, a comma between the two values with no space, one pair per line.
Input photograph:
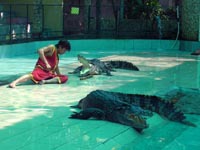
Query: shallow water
[36,116]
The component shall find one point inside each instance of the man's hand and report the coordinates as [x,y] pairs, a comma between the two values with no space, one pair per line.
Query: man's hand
[48,67]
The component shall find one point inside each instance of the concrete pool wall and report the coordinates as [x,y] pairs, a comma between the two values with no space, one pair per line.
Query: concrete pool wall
[12,50]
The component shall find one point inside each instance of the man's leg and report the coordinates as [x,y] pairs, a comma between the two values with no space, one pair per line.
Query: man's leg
[21,79]
[50,81]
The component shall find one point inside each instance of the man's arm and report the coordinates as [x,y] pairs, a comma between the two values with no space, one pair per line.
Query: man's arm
[57,71]
[45,51]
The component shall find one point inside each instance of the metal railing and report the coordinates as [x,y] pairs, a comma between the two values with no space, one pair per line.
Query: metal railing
[24,22]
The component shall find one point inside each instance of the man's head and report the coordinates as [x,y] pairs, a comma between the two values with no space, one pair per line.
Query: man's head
[63,46]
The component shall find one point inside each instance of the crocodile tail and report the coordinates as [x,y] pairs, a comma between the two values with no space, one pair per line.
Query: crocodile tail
[122,65]
[164,108]
[2,82]
[7,79]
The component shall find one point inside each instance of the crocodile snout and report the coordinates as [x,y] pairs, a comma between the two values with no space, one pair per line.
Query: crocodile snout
[137,121]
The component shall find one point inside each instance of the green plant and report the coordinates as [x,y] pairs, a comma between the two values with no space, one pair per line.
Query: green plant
[144,9]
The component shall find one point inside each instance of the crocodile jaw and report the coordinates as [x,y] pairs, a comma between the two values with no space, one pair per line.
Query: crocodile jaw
[137,121]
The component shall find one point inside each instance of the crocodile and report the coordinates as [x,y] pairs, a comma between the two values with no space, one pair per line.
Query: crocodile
[196,52]
[6,79]
[97,67]
[127,109]
[3,82]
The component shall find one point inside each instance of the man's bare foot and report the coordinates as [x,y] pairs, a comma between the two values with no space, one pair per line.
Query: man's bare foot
[12,85]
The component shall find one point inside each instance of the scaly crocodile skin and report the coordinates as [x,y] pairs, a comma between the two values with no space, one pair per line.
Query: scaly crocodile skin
[105,67]
[127,109]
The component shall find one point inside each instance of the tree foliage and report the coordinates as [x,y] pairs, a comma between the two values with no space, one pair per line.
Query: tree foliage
[143,9]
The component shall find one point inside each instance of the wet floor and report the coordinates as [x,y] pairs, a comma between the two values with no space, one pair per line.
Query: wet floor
[35,117]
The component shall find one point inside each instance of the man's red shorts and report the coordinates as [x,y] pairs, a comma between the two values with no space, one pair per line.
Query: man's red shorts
[39,74]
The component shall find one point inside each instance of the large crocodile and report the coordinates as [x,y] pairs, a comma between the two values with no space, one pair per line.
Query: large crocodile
[97,67]
[127,109]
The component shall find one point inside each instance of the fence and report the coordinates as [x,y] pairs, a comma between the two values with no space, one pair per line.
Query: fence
[32,22]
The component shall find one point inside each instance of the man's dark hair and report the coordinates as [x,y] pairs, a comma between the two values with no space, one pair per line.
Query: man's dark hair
[64,44]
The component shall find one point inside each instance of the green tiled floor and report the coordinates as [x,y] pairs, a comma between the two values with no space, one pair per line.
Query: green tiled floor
[35,117]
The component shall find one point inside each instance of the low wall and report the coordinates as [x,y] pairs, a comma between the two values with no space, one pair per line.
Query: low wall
[22,49]
[189,45]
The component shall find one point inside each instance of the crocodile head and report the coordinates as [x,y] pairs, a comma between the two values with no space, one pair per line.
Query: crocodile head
[83,61]
[129,118]
[137,122]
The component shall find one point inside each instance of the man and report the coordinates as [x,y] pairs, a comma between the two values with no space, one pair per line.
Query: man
[46,69]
